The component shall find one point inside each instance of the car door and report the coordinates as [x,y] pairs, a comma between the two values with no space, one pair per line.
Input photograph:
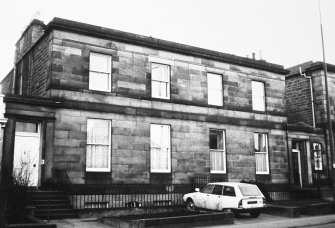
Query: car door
[229,199]
[202,197]
[214,200]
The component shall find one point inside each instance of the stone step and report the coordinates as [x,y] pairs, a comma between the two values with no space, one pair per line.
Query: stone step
[53,206]
[50,201]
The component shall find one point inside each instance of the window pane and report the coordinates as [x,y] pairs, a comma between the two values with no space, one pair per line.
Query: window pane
[214,81]
[260,142]
[100,62]
[98,131]
[261,161]
[99,81]
[217,190]
[97,156]
[249,190]
[160,72]
[217,160]
[258,96]
[26,127]
[207,189]
[215,139]
[215,97]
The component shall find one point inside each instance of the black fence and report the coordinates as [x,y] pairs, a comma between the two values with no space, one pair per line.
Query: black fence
[118,196]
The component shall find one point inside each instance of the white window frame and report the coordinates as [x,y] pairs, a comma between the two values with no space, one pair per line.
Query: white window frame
[107,169]
[168,148]
[107,73]
[166,82]
[223,150]
[317,156]
[258,98]
[214,91]
[263,152]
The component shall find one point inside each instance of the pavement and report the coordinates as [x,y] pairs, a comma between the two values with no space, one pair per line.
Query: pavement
[263,221]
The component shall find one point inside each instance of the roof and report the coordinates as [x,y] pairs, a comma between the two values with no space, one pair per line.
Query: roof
[309,67]
[106,33]
[234,184]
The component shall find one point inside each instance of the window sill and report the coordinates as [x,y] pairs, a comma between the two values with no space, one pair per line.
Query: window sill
[218,171]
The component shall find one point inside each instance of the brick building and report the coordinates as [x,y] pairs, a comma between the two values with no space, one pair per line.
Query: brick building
[107,106]
[306,113]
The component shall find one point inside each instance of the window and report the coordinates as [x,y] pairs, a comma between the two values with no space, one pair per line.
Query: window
[208,189]
[98,151]
[258,96]
[217,190]
[160,81]
[249,190]
[215,93]
[100,72]
[217,151]
[26,127]
[229,191]
[261,153]
[317,156]
[160,154]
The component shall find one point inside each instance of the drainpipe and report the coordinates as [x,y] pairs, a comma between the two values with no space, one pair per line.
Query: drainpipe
[288,156]
[312,96]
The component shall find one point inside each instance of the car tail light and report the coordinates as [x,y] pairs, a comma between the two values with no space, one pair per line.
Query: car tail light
[264,200]
[240,204]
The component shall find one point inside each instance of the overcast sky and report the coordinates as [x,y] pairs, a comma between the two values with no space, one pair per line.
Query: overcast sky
[285,32]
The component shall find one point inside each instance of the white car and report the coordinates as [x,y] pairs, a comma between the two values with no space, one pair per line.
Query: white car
[225,196]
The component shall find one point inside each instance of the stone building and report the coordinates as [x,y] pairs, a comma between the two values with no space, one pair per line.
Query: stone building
[106,106]
[306,113]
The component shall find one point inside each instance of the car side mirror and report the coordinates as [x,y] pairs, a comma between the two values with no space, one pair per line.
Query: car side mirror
[197,189]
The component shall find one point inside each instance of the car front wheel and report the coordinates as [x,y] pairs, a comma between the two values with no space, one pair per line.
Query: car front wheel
[255,214]
[190,205]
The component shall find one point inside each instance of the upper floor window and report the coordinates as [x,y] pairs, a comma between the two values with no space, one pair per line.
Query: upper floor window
[261,153]
[217,151]
[258,96]
[215,93]
[160,81]
[98,150]
[160,153]
[100,72]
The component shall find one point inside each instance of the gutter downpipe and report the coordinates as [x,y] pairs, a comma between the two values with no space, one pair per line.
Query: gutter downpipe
[311,90]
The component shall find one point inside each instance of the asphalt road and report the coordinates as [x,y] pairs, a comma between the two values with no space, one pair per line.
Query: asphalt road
[243,221]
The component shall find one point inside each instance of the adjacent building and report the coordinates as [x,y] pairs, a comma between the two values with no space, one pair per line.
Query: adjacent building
[105,106]
[307,118]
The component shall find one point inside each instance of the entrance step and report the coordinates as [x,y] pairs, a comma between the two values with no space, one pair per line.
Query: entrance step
[52,205]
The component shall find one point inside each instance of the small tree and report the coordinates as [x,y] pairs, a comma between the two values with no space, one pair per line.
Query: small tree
[14,192]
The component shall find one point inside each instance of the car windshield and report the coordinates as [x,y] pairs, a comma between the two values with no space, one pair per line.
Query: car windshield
[249,190]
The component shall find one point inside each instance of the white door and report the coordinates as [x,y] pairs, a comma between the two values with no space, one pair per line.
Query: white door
[296,167]
[27,156]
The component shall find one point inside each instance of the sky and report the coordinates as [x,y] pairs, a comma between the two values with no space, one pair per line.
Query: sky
[284,32]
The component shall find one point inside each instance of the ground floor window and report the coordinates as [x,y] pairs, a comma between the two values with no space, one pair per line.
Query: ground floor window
[98,150]
[217,151]
[160,153]
[261,153]
[317,156]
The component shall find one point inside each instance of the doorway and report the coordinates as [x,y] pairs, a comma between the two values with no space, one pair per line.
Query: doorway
[296,167]
[27,152]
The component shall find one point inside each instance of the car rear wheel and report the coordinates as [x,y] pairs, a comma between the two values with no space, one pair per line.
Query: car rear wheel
[255,214]
[190,205]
